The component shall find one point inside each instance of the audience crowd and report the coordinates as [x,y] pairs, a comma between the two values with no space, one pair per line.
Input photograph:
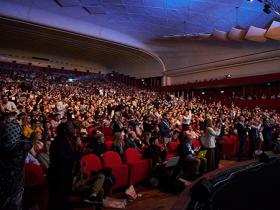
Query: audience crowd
[50,120]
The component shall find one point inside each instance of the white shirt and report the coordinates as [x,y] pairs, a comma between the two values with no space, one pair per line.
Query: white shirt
[187,119]
[9,106]
[210,137]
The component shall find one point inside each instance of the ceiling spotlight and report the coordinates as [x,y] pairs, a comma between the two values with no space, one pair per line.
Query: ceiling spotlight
[250,0]
[222,91]
[271,6]
[266,9]
[203,93]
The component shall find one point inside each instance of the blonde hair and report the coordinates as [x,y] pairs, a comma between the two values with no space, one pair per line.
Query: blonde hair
[117,139]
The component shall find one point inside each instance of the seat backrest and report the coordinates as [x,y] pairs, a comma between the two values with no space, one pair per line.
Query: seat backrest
[108,145]
[34,175]
[107,131]
[90,163]
[132,155]
[227,139]
[111,159]
[233,137]
[172,146]
[196,143]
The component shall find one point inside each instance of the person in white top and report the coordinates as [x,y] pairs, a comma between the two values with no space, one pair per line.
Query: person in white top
[210,143]
[8,106]
[187,117]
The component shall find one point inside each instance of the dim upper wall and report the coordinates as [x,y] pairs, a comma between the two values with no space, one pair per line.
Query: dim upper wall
[188,61]
[34,39]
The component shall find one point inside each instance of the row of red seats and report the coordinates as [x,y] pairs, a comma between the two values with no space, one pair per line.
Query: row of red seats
[231,145]
[133,170]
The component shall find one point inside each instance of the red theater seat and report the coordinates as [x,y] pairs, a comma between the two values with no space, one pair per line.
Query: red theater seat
[107,131]
[108,138]
[234,140]
[196,143]
[108,145]
[228,148]
[119,170]
[172,149]
[139,168]
[90,163]
[34,175]
[36,190]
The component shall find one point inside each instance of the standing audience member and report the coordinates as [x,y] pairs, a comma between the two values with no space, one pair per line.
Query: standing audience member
[13,152]
[267,133]
[242,137]
[165,129]
[60,178]
[187,120]
[210,143]
[254,137]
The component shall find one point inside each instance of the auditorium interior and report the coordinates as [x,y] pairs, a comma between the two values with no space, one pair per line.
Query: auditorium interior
[139,104]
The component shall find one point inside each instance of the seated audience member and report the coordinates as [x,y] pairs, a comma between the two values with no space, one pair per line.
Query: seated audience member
[97,145]
[26,125]
[44,156]
[156,134]
[188,158]
[155,152]
[175,136]
[90,187]
[31,159]
[118,143]
[8,106]
[132,142]
[191,133]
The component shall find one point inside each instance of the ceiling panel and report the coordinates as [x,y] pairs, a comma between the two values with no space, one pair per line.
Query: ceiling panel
[20,36]
[201,15]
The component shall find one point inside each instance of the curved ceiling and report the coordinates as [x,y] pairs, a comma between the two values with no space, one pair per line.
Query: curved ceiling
[36,39]
[136,23]
[139,20]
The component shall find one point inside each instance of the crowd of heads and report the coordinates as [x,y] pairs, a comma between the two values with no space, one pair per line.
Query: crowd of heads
[41,101]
